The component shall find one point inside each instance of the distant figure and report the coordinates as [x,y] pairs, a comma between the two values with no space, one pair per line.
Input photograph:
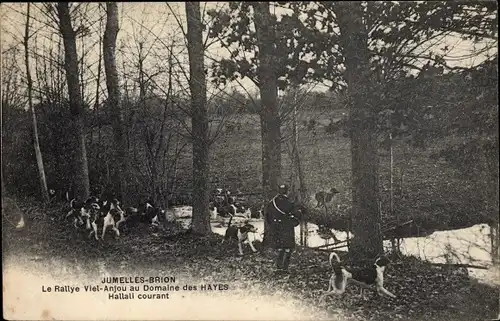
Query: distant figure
[324,198]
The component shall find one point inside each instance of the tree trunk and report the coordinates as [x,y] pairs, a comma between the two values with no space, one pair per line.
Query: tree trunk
[302,197]
[301,191]
[81,172]
[199,119]
[269,115]
[365,215]
[36,144]
[270,119]
[120,169]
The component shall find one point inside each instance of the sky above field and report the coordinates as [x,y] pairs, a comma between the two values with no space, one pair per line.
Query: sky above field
[149,30]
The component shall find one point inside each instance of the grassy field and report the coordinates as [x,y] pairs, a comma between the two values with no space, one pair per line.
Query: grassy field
[432,193]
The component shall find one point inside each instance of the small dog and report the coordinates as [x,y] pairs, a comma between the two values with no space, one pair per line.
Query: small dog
[111,215]
[213,210]
[338,280]
[226,211]
[148,213]
[257,212]
[119,214]
[76,212]
[94,216]
[84,213]
[373,275]
[323,198]
[242,210]
[145,213]
[240,234]
[363,277]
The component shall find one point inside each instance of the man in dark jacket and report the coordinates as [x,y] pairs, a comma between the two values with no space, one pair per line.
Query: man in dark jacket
[282,225]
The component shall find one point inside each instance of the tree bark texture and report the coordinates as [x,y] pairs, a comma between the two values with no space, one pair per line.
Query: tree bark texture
[199,119]
[120,170]
[36,143]
[365,213]
[269,115]
[81,173]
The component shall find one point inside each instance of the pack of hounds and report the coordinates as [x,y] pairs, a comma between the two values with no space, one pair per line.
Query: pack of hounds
[106,214]
[102,215]
[223,203]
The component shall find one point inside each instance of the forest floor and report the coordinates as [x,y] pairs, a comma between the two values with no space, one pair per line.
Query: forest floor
[424,292]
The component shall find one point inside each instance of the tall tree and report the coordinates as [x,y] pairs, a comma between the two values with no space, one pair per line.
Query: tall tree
[260,49]
[364,168]
[393,38]
[270,123]
[36,144]
[268,86]
[376,42]
[199,119]
[81,173]
[120,171]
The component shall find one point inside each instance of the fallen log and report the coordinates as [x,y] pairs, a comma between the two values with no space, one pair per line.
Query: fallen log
[328,245]
[472,266]
[329,249]
[397,226]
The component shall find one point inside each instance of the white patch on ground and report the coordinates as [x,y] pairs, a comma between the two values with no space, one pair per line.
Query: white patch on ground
[24,299]
[467,246]
[181,211]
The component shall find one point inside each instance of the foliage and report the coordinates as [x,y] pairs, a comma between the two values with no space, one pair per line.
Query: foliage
[55,142]
[144,127]
[18,156]
[307,47]
[234,28]
[473,118]
[307,39]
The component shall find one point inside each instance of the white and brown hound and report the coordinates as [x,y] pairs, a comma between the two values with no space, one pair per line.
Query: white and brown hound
[240,234]
[373,275]
[108,214]
[365,277]
[338,281]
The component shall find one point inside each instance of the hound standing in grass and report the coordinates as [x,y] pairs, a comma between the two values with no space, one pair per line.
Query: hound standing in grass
[373,275]
[364,277]
[338,280]
[109,215]
[323,198]
[76,212]
[240,234]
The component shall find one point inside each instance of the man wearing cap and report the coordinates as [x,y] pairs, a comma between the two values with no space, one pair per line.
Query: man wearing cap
[282,225]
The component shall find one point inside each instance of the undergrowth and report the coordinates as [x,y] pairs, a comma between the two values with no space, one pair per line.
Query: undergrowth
[424,291]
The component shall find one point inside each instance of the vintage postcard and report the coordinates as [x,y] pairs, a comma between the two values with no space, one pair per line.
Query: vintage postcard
[301,160]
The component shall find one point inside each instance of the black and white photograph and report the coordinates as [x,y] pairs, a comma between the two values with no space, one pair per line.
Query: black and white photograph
[289,160]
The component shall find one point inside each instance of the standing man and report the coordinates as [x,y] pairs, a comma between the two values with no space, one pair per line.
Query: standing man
[282,225]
